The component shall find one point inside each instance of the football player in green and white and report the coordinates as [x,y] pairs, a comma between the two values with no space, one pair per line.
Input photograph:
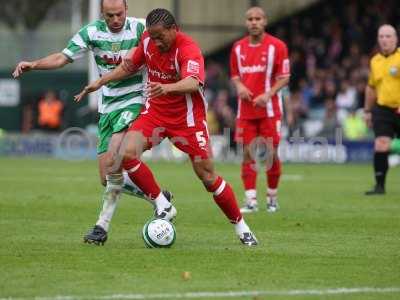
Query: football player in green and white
[109,39]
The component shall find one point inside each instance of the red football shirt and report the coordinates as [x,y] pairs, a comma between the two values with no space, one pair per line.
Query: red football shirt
[258,67]
[184,59]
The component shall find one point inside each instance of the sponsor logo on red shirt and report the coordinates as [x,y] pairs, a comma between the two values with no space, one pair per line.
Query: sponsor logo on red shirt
[253,69]
[193,67]
[163,76]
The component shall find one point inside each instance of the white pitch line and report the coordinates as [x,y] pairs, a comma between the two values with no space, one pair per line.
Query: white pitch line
[292,177]
[228,294]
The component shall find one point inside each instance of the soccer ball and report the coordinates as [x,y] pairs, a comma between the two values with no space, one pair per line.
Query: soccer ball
[158,233]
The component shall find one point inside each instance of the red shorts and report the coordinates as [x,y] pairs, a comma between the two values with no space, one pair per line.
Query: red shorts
[267,128]
[194,141]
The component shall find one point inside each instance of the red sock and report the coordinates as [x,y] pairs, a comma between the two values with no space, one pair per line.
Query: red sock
[142,176]
[225,199]
[249,175]
[273,174]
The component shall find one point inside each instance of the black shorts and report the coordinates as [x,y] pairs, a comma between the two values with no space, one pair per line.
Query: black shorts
[386,121]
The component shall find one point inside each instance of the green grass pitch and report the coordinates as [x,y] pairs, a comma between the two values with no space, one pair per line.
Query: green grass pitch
[326,235]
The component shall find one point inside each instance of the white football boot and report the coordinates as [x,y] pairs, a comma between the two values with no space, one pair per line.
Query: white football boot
[250,206]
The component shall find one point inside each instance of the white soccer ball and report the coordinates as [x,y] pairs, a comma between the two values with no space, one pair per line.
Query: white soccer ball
[158,233]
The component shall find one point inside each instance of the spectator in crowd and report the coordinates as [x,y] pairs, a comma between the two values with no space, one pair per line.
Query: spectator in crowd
[346,99]
[224,111]
[50,111]
[354,127]
[330,121]
[299,110]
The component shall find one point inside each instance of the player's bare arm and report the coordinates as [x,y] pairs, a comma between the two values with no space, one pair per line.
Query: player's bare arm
[131,52]
[261,100]
[121,72]
[370,98]
[243,92]
[53,61]
[186,85]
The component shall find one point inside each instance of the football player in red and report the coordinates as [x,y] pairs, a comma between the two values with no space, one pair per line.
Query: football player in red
[175,109]
[259,70]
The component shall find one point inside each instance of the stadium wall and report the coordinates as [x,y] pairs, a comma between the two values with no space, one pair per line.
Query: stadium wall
[78,144]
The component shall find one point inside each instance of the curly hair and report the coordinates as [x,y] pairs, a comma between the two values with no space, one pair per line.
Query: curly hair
[160,16]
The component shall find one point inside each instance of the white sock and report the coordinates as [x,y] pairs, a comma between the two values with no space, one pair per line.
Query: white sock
[250,194]
[161,202]
[272,196]
[272,192]
[111,195]
[107,213]
[241,227]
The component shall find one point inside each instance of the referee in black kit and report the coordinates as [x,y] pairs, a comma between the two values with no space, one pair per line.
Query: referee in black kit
[382,102]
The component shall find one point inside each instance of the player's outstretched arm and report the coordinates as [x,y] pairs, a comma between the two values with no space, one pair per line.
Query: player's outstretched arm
[118,73]
[53,61]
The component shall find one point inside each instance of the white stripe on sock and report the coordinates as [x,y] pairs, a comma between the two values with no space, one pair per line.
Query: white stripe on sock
[220,189]
[134,169]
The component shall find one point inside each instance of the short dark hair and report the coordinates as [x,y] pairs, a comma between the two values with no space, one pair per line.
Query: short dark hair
[160,16]
[102,2]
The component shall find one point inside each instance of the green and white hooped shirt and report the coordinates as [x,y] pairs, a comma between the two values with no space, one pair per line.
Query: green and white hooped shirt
[109,49]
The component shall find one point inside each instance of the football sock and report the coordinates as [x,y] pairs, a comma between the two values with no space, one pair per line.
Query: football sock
[111,195]
[381,166]
[272,196]
[129,188]
[395,146]
[249,175]
[142,176]
[226,200]
[251,195]
[161,202]
[241,227]
[274,174]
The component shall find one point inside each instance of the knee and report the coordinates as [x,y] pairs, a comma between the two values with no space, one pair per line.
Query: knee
[208,180]
[130,152]
[207,177]
[127,159]
[382,144]
[247,155]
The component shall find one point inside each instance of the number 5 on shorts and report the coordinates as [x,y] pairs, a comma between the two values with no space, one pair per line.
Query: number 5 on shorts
[201,139]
